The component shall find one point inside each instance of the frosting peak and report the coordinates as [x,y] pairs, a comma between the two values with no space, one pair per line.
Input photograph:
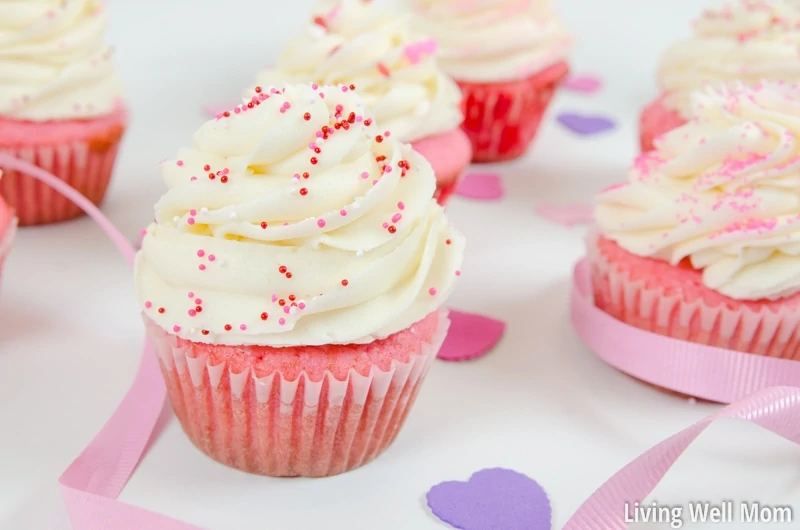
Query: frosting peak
[54,63]
[296,220]
[744,41]
[494,40]
[393,67]
[723,191]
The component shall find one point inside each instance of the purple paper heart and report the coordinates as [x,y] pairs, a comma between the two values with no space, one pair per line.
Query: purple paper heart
[481,186]
[586,125]
[492,499]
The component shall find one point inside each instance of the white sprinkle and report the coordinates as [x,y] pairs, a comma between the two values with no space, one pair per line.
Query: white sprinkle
[192,331]
[176,219]
[203,210]
[360,253]
[320,141]
[316,31]
[422,109]
[293,310]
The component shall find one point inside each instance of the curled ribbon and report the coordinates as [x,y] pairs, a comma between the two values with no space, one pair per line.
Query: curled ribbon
[93,482]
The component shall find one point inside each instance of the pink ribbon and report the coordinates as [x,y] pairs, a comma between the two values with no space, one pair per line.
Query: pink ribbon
[93,482]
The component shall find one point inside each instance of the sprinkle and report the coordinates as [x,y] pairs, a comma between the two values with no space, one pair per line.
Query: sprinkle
[282,321]
[301,305]
[191,295]
[176,329]
[228,327]
[243,327]
[345,283]
[198,301]
[202,267]
[458,273]
[401,205]
[212,257]
[343,213]
[396,218]
[364,175]
[432,291]
[192,313]
[321,223]
[200,254]
[148,305]
[161,310]
[180,163]
[190,220]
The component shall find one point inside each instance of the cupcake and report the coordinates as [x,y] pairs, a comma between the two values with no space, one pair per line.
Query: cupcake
[702,243]
[394,69]
[8,226]
[508,57]
[60,105]
[294,297]
[748,41]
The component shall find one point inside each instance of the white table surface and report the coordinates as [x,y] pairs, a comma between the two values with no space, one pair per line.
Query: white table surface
[540,403]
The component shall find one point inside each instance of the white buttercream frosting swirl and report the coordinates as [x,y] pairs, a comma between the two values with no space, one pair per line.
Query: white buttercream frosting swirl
[722,191]
[393,67]
[494,40]
[745,41]
[295,221]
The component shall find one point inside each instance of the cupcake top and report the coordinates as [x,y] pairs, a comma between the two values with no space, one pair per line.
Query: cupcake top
[747,41]
[722,191]
[296,220]
[393,67]
[54,62]
[489,41]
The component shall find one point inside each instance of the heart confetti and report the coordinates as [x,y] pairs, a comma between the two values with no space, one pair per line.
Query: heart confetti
[416,51]
[587,84]
[567,215]
[492,499]
[471,336]
[481,186]
[586,125]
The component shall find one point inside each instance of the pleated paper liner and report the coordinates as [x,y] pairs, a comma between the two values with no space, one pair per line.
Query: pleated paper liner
[656,120]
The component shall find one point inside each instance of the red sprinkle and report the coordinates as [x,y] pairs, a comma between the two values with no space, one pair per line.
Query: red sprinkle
[204,332]
[307,116]
[282,269]
[161,310]
[264,225]
[228,327]
[345,283]
[303,191]
[264,316]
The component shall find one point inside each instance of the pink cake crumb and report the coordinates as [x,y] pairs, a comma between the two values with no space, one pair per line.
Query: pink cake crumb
[449,154]
[302,411]
[655,121]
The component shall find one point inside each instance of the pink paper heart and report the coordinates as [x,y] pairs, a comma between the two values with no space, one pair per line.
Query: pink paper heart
[481,186]
[588,84]
[470,336]
[414,52]
[568,214]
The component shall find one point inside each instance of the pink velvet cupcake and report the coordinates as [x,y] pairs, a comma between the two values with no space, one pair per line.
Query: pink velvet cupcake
[395,71]
[293,287]
[8,226]
[508,57]
[60,105]
[703,241]
[744,41]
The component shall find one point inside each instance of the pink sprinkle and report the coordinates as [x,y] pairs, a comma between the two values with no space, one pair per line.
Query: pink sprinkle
[343,213]
[237,110]
[386,225]
[176,329]
[192,313]
[321,223]
[180,163]
[192,212]
[191,295]
[388,169]
[274,298]
[190,221]
[359,119]
[314,86]
[286,309]
[198,301]
[212,257]
[387,134]
[458,273]
[282,321]
[396,218]
[339,108]
[200,254]
[401,205]
[202,267]
[243,327]
[364,175]
[193,178]
[148,305]
[432,291]
[301,306]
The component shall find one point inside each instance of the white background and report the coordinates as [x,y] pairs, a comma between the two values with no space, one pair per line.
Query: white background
[70,335]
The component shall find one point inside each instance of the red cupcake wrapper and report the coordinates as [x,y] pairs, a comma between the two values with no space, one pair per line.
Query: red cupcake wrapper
[85,164]
[655,121]
[771,329]
[501,119]
[274,426]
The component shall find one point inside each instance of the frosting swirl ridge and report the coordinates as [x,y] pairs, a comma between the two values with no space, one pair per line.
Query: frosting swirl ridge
[294,221]
[745,41]
[494,40]
[393,67]
[722,191]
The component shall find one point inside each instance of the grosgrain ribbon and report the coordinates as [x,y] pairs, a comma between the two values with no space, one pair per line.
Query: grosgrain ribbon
[92,483]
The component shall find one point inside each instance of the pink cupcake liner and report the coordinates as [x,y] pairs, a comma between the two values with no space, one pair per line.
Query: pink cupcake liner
[672,301]
[449,155]
[501,119]
[82,153]
[273,424]
[655,121]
